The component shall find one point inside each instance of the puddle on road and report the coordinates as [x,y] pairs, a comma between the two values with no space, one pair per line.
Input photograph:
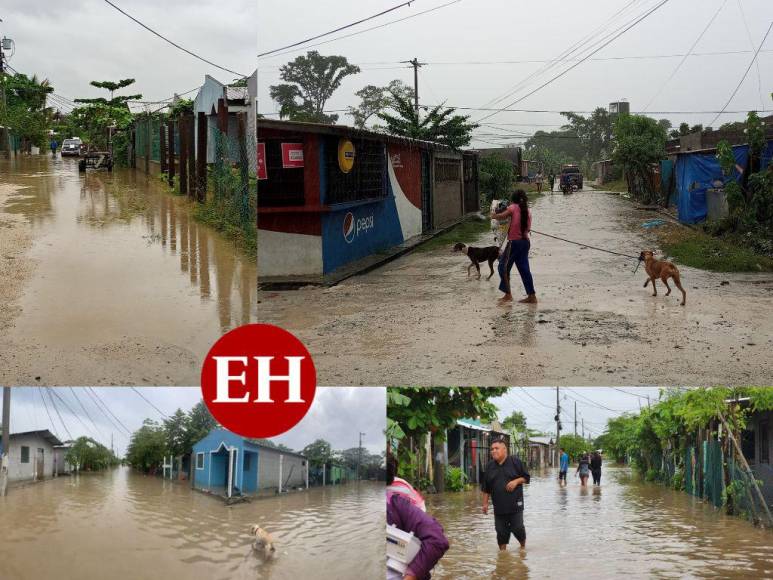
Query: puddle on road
[625,528]
[126,526]
[121,268]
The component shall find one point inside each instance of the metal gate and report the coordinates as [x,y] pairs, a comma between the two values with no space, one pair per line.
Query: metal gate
[426,193]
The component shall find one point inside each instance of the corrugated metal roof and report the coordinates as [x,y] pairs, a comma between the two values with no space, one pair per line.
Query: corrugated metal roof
[236,93]
[44,433]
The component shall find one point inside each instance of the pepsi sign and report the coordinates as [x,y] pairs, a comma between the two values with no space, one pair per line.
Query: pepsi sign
[353,227]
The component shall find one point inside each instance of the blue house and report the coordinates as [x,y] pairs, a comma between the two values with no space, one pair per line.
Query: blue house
[227,464]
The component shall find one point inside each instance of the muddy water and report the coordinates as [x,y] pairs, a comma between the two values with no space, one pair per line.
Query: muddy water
[122,286]
[624,528]
[420,320]
[125,526]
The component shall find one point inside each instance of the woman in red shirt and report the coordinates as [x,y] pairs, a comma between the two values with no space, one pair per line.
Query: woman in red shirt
[517,249]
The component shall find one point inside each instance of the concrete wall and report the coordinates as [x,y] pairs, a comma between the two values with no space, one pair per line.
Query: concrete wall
[446,203]
[293,470]
[19,471]
[289,254]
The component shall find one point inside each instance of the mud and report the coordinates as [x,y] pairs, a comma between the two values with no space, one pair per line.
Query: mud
[126,526]
[625,528]
[420,320]
[111,280]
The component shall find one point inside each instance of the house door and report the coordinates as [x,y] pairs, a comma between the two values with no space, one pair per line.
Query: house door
[426,193]
[39,464]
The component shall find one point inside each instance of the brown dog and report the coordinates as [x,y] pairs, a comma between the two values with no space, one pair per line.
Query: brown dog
[263,543]
[663,270]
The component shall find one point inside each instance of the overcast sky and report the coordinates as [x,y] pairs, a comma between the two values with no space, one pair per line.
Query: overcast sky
[594,404]
[337,415]
[73,42]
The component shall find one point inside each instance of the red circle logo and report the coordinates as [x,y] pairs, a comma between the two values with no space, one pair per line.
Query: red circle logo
[258,380]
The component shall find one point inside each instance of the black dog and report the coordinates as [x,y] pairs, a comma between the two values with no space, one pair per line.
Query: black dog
[479,255]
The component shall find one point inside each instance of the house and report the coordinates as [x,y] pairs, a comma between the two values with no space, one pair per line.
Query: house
[31,455]
[542,451]
[756,444]
[329,195]
[236,99]
[61,465]
[331,474]
[468,446]
[227,464]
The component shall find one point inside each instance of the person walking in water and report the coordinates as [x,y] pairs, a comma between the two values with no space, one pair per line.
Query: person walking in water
[595,467]
[503,482]
[563,466]
[54,145]
[517,248]
[583,469]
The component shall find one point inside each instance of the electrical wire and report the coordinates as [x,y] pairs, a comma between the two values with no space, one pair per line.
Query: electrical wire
[751,43]
[738,86]
[572,67]
[164,415]
[162,37]
[66,406]
[339,29]
[74,394]
[98,398]
[58,414]
[684,58]
[42,398]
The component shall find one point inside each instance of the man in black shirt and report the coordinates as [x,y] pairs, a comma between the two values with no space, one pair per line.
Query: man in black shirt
[503,482]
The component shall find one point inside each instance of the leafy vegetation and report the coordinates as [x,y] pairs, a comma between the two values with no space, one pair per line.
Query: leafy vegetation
[374,100]
[495,176]
[639,142]
[25,112]
[456,480]
[310,81]
[86,454]
[99,117]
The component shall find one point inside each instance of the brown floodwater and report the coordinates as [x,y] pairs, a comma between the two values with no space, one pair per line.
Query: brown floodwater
[123,285]
[625,528]
[125,526]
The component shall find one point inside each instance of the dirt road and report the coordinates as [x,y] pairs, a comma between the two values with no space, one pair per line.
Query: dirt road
[419,320]
[108,279]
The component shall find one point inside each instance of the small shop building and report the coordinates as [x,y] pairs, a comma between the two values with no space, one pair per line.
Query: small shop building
[229,465]
[468,447]
[329,195]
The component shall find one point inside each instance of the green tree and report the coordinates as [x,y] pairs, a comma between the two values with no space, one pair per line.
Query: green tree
[25,112]
[374,100]
[440,124]
[147,447]
[575,445]
[639,142]
[89,455]
[555,148]
[516,421]
[200,422]
[100,116]
[309,82]
[176,434]
[318,452]
[594,133]
[496,176]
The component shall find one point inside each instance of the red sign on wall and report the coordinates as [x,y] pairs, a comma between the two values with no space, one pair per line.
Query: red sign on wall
[262,173]
[292,155]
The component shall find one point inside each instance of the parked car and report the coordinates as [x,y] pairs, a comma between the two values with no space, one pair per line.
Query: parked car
[72,147]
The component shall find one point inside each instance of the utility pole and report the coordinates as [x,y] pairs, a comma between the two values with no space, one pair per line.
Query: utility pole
[6,441]
[575,418]
[583,428]
[415,64]
[359,456]
[5,135]
[558,424]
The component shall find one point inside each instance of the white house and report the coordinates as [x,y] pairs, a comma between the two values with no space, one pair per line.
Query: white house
[31,455]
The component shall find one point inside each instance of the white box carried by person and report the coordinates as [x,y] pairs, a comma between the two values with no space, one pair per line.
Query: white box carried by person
[402,548]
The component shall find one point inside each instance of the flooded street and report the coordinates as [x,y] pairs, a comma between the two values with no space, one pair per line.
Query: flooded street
[419,320]
[125,526]
[107,279]
[625,528]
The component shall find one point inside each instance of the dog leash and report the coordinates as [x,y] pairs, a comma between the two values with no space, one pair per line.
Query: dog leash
[637,258]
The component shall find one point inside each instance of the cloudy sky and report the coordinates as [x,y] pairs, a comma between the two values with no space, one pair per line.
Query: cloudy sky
[338,414]
[486,31]
[463,41]
[594,404]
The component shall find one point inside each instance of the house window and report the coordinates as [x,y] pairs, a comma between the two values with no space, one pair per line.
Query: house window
[25,454]
[367,178]
[764,443]
[447,170]
[247,458]
[199,461]
[282,187]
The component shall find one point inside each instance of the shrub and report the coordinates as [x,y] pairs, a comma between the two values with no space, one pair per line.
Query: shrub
[455,479]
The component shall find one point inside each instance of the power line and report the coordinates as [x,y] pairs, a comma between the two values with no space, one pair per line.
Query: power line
[339,29]
[738,86]
[751,42]
[368,29]
[58,414]
[96,430]
[42,398]
[164,415]
[66,406]
[98,398]
[534,399]
[162,37]
[562,73]
[594,403]
[681,62]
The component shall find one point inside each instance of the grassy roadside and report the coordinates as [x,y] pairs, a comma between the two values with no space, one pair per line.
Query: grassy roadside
[619,186]
[697,249]
[466,232]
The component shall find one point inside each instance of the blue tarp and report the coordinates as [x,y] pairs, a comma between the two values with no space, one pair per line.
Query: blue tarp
[767,155]
[697,172]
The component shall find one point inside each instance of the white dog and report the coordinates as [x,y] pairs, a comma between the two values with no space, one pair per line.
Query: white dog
[263,542]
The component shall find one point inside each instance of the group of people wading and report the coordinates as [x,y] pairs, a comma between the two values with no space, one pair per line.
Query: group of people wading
[589,464]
